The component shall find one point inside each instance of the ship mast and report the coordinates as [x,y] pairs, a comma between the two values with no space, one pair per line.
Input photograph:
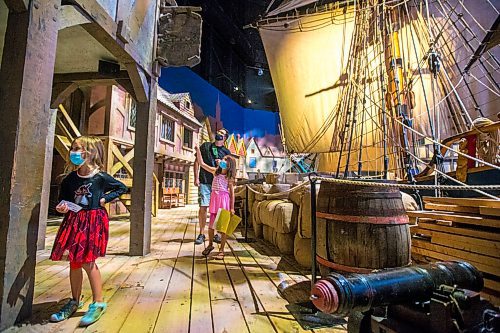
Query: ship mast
[393,99]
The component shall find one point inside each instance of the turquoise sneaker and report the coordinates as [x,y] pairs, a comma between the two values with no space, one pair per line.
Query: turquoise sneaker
[95,312]
[67,310]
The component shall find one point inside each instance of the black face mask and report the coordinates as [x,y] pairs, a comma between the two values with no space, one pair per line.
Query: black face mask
[219,137]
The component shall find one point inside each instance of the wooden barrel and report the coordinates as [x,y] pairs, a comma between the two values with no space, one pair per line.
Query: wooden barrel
[361,228]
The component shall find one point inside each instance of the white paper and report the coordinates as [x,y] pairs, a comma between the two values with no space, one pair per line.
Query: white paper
[72,206]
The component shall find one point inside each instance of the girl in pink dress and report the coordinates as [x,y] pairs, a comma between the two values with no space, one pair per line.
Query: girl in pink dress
[222,196]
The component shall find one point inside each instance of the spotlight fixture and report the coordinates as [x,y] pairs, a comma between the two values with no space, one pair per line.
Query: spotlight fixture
[236,88]
[260,72]
[249,101]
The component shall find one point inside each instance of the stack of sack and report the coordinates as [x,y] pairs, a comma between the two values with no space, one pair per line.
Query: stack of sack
[301,199]
[274,218]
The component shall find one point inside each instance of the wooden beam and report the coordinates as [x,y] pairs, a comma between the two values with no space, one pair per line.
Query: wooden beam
[451,208]
[128,156]
[123,161]
[139,82]
[99,15]
[26,76]
[468,202]
[104,29]
[17,6]
[428,225]
[483,263]
[465,219]
[60,92]
[47,171]
[72,126]
[140,213]
[126,84]
[85,113]
[489,211]
[107,110]
[88,77]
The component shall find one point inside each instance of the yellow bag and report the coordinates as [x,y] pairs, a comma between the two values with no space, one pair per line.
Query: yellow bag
[226,222]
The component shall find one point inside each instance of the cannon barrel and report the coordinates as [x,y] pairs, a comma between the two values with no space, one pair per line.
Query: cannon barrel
[338,294]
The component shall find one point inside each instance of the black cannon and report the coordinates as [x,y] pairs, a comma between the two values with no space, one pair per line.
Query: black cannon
[441,297]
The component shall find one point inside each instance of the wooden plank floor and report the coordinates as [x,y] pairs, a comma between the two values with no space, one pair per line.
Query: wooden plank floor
[174,288]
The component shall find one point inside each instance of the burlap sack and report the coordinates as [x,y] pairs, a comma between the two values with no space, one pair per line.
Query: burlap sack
[302,251]
[252,196]
[254,218]
[239,192]
[291,178]
[277,188]
[408,202]
[295,196]
[284,242]
[272,178]
[266,187]
[268,233]
[304,220]
[278,214]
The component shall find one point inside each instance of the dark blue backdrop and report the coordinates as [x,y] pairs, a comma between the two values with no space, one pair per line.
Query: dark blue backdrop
[236,119]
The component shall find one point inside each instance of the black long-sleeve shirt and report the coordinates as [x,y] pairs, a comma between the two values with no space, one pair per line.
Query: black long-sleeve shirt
[87,192]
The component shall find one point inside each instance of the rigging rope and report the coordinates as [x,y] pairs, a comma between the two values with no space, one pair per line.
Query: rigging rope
[376,184]
[408,186]
[436,142]
[484,85]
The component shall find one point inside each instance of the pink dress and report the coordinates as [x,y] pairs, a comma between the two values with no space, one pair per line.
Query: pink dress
[219,198]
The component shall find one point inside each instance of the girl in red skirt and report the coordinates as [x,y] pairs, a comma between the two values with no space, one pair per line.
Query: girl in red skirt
[83,234]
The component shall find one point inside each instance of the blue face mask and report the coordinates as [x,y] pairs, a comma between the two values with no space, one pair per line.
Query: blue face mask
[223,165]
[76,158]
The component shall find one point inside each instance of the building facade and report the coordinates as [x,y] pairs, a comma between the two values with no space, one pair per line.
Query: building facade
[177,133]
[263,158]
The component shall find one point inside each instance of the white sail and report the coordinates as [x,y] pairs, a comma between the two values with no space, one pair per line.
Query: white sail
[315,61]
[306,64]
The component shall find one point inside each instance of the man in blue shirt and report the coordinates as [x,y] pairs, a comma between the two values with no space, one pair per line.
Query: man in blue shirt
[211,153]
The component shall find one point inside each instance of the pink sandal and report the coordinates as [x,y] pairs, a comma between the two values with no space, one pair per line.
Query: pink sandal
[219,256]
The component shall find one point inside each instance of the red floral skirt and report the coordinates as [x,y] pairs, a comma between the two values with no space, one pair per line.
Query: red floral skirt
[82,236]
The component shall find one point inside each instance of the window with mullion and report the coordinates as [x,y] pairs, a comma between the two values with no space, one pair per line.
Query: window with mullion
[188,138]
[167,131]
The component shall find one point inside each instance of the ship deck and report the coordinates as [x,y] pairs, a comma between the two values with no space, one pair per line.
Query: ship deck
[174,288]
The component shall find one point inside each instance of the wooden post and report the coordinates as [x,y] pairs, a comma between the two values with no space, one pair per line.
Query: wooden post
[85,110]
[142,186]
[108,111]
[25,91]
[47,173]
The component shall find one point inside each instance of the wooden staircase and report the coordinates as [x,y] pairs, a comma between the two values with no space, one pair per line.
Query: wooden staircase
[67,132]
